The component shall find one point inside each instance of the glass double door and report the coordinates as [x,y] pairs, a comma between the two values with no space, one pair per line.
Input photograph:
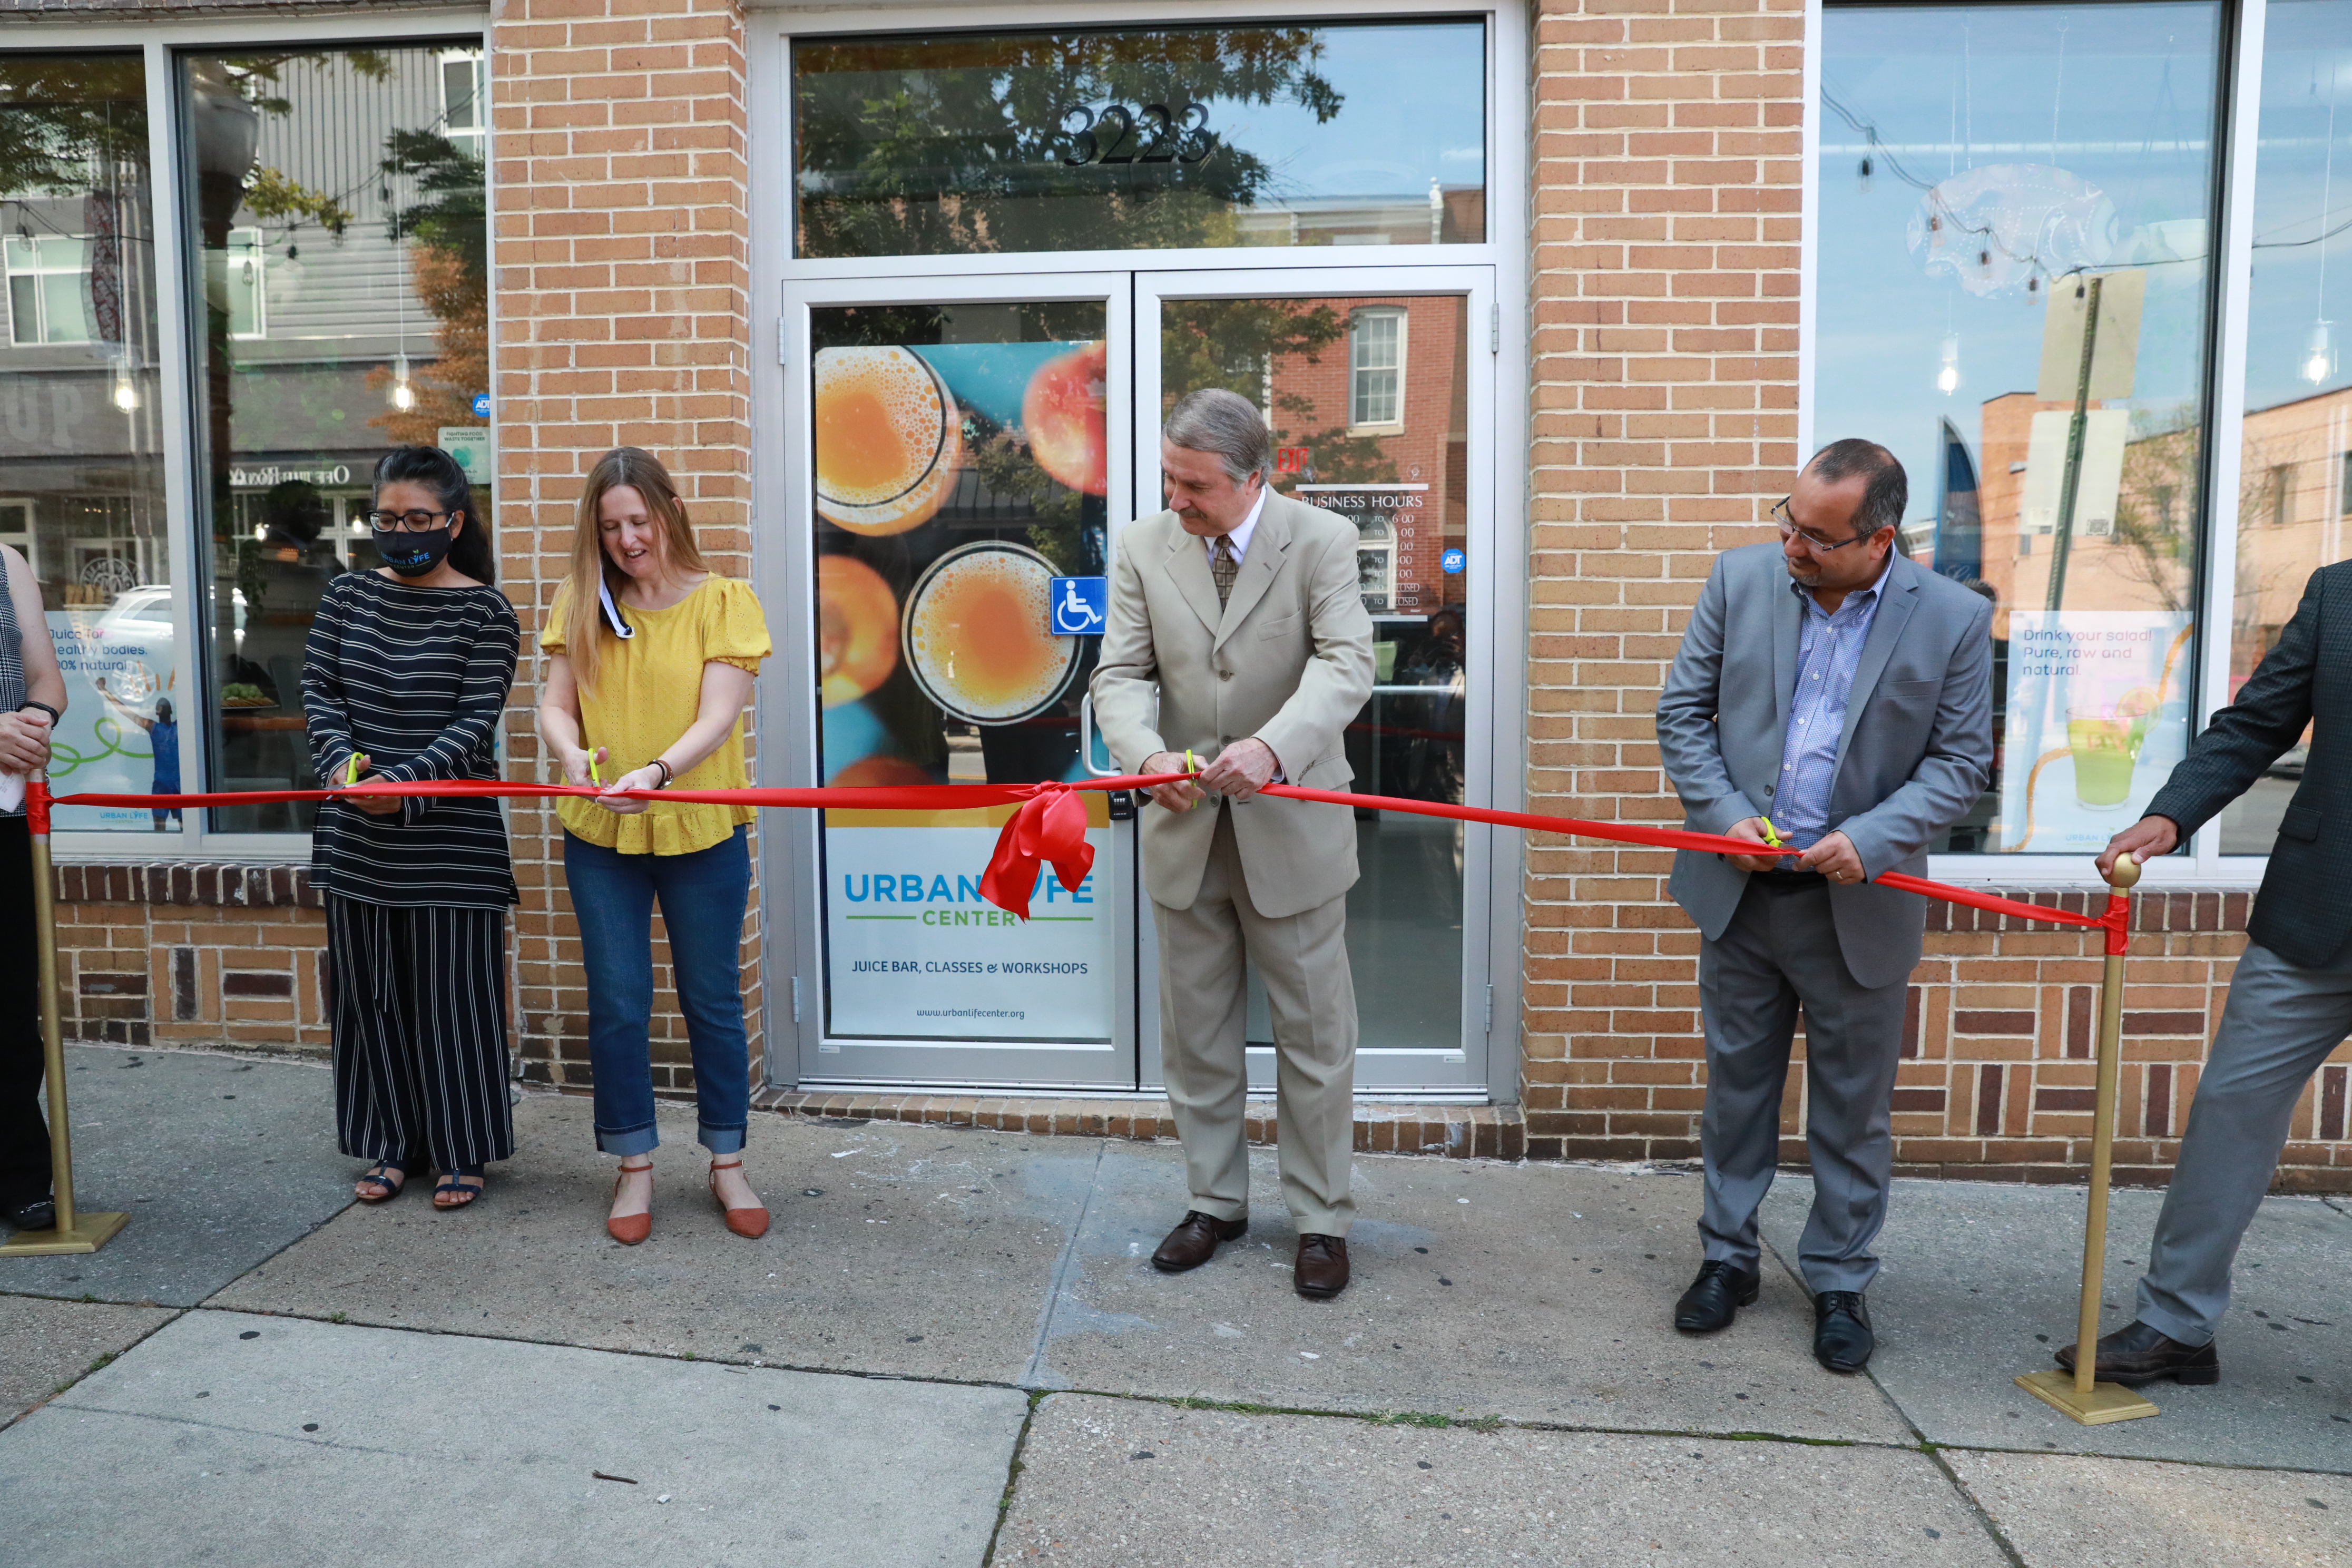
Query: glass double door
[966,458]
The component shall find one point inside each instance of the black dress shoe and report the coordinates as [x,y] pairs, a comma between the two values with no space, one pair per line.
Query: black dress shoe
[2139,1353]
[1194,1241]
[37,1214]
[1842,1337]
[1715,1297]
[1320,1270]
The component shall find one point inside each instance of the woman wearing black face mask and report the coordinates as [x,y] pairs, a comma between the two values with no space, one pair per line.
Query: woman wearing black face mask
[404,676]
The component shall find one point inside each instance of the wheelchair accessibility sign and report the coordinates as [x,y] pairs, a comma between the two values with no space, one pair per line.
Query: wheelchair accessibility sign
[1081,605]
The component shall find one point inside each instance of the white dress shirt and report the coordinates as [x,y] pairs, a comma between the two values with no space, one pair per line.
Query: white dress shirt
[1240,536]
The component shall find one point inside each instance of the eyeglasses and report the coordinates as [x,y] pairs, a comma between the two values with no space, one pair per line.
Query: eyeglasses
[1814,542]
[418,521]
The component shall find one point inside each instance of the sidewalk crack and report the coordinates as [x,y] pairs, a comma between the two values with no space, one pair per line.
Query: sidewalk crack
[1062,1269]
[1969,1500]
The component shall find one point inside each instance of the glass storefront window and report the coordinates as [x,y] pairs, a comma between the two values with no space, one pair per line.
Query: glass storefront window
[1164,138]
[81,454]
[961,468]
[2294,484]
[2015,217]
[1314,362]
[339,258]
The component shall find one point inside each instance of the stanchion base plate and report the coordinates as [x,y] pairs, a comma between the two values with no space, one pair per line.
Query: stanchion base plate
[90,1232]
[2106,1401]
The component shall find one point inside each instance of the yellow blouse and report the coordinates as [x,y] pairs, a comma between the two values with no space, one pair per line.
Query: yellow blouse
[648,687]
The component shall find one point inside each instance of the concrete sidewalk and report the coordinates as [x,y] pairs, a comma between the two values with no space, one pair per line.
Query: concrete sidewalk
[950,1348]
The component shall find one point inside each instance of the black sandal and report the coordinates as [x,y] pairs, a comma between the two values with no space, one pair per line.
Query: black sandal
[454,1181]
[377,1175]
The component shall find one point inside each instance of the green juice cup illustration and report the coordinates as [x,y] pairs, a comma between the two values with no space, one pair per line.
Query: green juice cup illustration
[2106,744]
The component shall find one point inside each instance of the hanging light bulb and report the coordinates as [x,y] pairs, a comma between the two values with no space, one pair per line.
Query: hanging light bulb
[1947,379]
[1863,175]
[404,397]
[2319,355]
[126,396]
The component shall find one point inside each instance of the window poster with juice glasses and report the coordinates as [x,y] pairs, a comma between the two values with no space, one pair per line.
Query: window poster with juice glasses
[961,456]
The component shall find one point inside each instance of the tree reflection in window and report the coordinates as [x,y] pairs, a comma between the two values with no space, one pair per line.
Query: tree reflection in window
[1166,137]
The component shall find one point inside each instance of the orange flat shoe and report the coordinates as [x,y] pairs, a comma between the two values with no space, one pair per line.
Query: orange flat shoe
[629,1229]
[750,1223]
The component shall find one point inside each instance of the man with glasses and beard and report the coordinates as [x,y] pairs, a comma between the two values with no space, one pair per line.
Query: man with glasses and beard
[1832,697]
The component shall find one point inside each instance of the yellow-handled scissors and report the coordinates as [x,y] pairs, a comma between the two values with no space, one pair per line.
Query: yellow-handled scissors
[592,776]
[351,770]
[1772,839]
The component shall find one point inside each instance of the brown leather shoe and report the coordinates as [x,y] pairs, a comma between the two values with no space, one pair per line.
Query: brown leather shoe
[1321,1271]
[2138,1353]
[1194,1241]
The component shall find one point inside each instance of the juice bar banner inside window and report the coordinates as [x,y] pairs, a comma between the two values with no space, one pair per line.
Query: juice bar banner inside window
[960,468]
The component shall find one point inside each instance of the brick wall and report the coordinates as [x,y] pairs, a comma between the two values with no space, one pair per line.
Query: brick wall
[176,953]
[1667,159]
[621,278]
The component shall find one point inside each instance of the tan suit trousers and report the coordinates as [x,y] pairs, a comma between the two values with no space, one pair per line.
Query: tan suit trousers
[1204,1004]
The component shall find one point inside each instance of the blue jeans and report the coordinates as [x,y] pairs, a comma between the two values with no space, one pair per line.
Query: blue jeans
[703,897]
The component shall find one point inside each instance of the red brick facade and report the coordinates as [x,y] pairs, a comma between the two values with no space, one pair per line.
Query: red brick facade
[621,273]
[1663,231]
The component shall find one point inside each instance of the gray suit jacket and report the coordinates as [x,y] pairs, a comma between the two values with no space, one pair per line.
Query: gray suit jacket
[1913,758]
[1288,660]
[2304,913]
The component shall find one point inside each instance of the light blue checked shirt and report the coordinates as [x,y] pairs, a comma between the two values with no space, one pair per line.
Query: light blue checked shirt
[1829,649]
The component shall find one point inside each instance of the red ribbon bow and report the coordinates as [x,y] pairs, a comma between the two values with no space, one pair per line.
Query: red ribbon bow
[1051,825]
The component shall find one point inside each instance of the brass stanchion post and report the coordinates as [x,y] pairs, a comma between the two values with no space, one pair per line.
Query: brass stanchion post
[74,1231]
[2081,1396]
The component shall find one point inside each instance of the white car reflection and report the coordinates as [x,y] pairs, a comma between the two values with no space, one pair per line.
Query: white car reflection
[144,614]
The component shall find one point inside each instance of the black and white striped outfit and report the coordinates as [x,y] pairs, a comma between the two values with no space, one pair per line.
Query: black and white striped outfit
[415,680]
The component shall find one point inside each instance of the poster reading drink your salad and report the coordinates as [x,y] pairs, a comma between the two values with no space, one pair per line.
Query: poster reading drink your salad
[2097,715]
[962,465]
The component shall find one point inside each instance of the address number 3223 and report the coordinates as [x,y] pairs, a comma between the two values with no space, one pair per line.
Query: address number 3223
[1153,134]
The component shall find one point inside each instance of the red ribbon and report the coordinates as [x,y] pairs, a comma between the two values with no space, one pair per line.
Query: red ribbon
[1050,827]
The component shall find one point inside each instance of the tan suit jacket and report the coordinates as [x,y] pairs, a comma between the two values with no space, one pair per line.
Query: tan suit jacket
[1288,660]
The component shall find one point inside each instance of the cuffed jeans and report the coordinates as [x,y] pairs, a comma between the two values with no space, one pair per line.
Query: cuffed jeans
[703,896]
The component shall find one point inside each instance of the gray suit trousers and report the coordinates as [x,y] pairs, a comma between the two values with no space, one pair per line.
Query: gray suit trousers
[1780,952]
[1203,1006]
[2280,1024]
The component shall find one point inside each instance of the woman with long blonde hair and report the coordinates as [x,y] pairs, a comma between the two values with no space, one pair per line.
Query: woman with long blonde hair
[651,661]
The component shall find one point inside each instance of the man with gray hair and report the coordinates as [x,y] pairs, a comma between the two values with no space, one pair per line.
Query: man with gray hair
[1833,696]
[1238,638]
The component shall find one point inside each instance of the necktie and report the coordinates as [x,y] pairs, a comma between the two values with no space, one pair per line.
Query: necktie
[1223,568]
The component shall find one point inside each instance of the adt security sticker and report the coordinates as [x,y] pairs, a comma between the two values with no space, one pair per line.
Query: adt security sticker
[1081,605]
[1452,561]
[481,406]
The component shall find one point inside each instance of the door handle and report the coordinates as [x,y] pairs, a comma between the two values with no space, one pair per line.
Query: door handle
[1086,740]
